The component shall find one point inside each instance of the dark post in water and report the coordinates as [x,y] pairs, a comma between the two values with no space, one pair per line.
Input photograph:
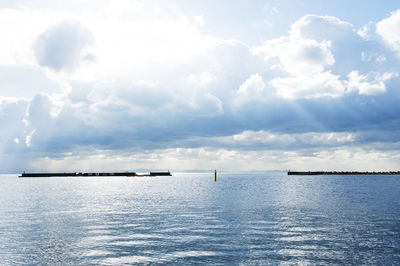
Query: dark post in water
[215,175]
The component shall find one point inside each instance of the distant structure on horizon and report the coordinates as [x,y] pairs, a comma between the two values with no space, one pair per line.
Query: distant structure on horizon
[93,174]
[341,173]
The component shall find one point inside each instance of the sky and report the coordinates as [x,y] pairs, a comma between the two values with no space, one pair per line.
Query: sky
[199,85]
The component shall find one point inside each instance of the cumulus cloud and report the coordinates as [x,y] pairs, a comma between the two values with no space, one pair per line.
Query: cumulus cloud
[389,30]
[63,46]
[296,56]
[368,84]
[313,85]
[252,90]
[305,62]
[318,59]
[321,28]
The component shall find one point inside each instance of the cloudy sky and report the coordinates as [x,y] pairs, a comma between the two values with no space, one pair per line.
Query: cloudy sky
[179,85]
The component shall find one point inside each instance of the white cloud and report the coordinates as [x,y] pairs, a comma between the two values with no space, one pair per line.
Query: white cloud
[367,30]
[372,83]
[304,61]
[297,56]
[321,28]
[262,139]
[252,90]
[389,30]
[368,57]
[307,60]
[314,85]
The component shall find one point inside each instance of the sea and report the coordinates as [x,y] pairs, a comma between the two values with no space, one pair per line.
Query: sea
[246,218]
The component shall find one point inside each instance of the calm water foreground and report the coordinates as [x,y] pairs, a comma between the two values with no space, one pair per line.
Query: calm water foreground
[243,218]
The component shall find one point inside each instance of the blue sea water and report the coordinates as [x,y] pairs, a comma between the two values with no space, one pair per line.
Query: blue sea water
[243,218]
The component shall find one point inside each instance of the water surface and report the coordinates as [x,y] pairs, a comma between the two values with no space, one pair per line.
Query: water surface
[243,218]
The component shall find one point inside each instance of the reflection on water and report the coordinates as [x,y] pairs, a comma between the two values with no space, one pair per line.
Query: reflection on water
[188,218]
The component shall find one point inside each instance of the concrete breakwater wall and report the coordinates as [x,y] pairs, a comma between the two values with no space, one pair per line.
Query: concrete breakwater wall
[93,174]
[342,173]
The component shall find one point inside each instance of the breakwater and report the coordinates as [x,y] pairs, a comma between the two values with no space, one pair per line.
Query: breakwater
[74,174]
[342,173]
